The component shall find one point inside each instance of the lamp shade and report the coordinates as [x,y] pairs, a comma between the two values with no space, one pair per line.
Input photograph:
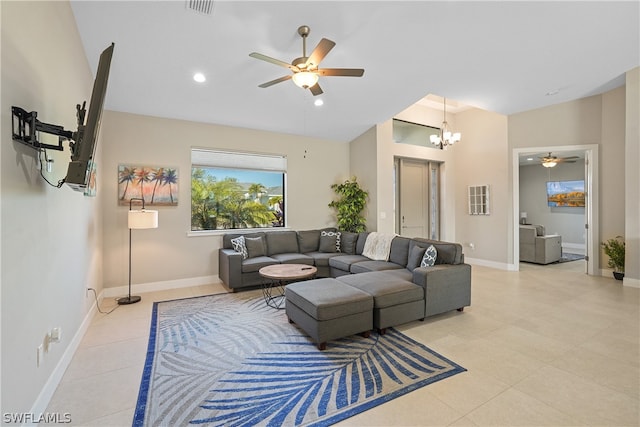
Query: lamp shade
[143,219]
[305,79]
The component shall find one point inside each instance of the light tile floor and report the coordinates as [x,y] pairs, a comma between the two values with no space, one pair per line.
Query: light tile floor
[545,346]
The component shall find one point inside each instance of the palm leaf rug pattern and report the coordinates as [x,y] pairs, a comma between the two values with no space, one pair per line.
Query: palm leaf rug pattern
[229,360]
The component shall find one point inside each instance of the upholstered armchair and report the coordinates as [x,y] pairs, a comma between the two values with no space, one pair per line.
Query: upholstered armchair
[537,247]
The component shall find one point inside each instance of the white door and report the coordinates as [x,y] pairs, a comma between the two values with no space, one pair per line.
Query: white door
[417,189]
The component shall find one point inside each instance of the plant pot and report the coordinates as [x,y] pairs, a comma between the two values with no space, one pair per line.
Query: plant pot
[618,275]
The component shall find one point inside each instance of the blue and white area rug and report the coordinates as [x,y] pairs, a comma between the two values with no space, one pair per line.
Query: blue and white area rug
[229,360]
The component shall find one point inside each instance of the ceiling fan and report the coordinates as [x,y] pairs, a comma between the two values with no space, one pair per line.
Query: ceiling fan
[305,69]
[550,161]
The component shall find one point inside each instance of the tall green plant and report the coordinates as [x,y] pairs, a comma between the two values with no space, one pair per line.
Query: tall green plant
[350,205]
[615,249]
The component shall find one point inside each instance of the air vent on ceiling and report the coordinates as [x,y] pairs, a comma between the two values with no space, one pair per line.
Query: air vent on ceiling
[201,6]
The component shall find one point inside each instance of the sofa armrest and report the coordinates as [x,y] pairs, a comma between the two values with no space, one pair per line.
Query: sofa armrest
[447,287]
[230,267]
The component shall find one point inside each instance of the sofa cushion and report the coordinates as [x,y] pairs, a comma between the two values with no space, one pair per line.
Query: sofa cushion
[415,257]
[329,241]
[321,259]
[430,256]
[372,265]
[251,265]
[293,258]
[348,241]
[255,246]
[239,246]
[399,250]
[446,253]
[362,239]
[344,262]
[226,238]
[308,240]
[386,290]
[281,242]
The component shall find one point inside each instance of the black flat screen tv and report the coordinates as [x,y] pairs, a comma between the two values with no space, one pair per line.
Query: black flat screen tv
[85,139]
[565,193]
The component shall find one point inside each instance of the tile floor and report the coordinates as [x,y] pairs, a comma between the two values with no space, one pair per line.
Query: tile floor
[546,346]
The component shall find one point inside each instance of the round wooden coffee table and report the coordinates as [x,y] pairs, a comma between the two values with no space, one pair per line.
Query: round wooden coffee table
[277,276]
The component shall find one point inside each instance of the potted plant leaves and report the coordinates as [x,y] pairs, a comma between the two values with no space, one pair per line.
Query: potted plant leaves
[350,205]
[614,249]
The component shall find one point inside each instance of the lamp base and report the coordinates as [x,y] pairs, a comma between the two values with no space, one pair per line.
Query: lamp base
[128,300]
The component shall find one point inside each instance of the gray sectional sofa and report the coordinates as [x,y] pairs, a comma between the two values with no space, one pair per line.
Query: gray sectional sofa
[443,287]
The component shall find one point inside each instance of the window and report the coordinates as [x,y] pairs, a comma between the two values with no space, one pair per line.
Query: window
[479,200]
[235,190]
[413,133]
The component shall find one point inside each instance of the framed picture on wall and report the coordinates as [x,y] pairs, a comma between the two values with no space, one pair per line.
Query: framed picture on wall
[158,186]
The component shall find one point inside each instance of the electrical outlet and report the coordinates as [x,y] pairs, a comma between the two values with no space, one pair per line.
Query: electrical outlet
[472,246]
[39,355]
[56,334]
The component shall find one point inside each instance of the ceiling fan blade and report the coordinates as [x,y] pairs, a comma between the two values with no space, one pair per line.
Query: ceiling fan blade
[319,53]
[273,82]
[315,89]
[570,157]
[347,72]
[274,61]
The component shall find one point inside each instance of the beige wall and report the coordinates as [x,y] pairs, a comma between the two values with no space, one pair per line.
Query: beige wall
[168,253]
[363,155]
[482,158]
[632,179]
[51,238]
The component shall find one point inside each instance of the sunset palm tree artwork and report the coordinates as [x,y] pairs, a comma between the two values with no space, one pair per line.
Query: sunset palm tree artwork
[156,185]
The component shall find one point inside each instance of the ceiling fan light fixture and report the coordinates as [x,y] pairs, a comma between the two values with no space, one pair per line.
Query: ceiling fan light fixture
[548,164]
[305,79]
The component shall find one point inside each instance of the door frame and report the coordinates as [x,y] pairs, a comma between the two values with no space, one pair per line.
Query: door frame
[591,208]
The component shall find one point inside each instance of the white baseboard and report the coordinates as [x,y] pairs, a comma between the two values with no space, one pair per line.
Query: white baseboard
[42,402]
[141,288]
[632,283]
[491,264]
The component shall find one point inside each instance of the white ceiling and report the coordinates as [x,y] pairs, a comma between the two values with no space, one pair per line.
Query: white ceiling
[499,56]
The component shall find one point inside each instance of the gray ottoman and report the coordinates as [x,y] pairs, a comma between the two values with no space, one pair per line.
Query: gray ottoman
[327,309]
[395,300]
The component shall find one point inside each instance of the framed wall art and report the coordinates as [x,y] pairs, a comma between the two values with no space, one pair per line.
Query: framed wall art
[158,186]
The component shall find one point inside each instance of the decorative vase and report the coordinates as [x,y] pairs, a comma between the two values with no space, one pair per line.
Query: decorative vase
[618,275]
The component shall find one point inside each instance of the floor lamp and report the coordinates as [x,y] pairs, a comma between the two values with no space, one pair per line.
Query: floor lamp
[139,220]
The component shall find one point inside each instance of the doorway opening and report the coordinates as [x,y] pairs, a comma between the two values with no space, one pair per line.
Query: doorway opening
[591,223]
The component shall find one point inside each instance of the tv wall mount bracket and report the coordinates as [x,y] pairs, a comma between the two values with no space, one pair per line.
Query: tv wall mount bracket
[25,124]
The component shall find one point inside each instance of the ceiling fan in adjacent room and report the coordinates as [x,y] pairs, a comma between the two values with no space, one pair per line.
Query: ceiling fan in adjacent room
[305,69]
[550,161]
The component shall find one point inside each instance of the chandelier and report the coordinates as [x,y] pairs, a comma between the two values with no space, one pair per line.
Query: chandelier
[446,137]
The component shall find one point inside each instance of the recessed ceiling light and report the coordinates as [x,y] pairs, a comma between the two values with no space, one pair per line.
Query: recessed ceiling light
[529,159]
[318,102]
[199,77]
[552,92]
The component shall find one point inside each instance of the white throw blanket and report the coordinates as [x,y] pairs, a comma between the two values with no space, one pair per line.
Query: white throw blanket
[377,246]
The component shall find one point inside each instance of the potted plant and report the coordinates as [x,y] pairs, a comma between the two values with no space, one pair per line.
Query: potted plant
[350,205]
[614,249]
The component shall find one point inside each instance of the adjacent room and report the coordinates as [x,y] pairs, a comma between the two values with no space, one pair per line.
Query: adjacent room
[295,213]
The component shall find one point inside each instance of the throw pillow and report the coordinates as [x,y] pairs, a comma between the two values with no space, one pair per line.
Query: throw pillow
[329,241]
[429,258]
[255,246]
[239,246]
[415,257]
[348,242]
